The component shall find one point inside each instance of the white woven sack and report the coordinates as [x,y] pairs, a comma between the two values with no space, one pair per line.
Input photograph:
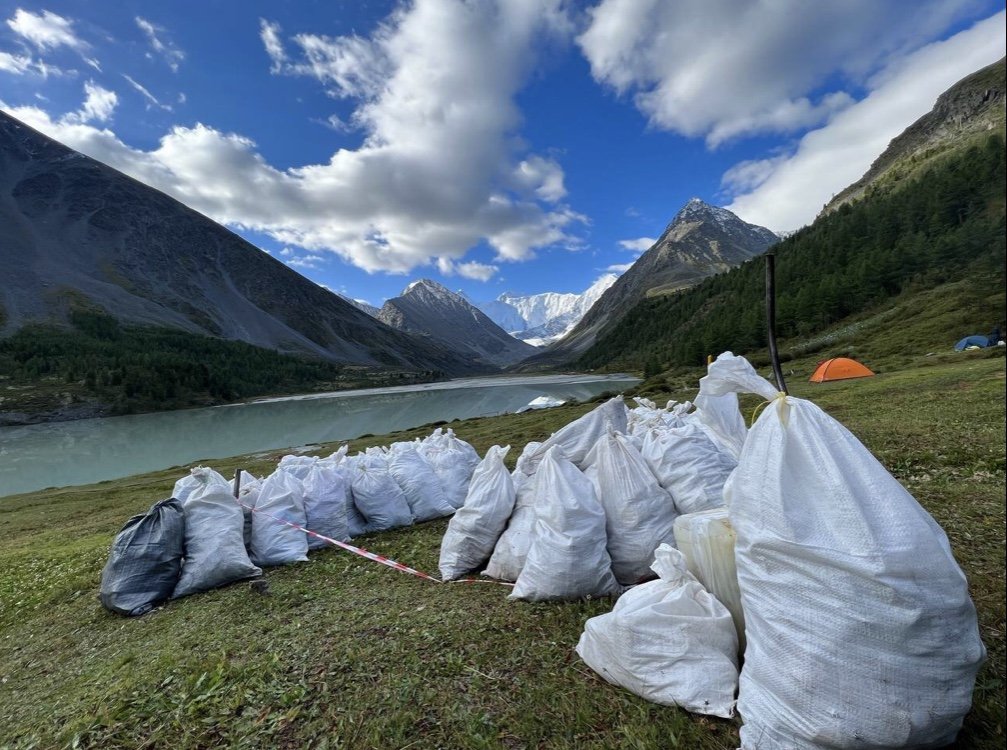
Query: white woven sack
[668,641]
[688,465]
[567,558]
[578,438]
[248,494]
[378,497]
[474,530]
[639,513]
[197,478]
[861,632]
[298,466]
[325,496]
[214,548]
[275,543]
[512,547]
[452,460]
[423,489]
[719,416]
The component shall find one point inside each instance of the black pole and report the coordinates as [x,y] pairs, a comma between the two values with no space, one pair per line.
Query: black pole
[237,482]
[771,319]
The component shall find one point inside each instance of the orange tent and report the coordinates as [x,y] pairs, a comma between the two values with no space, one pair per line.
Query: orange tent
[839,368]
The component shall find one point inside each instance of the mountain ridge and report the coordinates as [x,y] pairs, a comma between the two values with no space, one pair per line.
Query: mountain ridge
[427,308]
[144,258]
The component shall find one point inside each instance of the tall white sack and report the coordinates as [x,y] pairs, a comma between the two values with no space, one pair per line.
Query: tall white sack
[325,492]
[669,641]
[511,549]
[639,513]
[275,543]
[423,489]
[474,530]
[567,558]
[861,632]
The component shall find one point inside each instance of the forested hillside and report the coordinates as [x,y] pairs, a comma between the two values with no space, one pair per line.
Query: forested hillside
[947,225]
[102,367]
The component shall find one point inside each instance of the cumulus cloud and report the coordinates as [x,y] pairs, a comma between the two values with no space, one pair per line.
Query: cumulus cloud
[440,170]
[469,270]
[726,69]
[639,245]
[786,192]
[163,48]
[99,103]
[47,31]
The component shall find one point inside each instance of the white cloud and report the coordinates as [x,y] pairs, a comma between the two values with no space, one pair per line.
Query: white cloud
[434,92]
[619,267]
[724,69]
[152,101]
[269,33]
[306,261]
[166,50]
[99,103]
[468,270]
[784,193]
[638,245]
[47,31]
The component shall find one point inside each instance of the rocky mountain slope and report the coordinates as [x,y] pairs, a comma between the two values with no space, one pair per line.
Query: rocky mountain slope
[427,308]
[702,240]
[75,233]
[543,318]
[361,305]
[973,107]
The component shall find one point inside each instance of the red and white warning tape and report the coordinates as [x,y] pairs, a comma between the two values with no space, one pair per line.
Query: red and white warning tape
[367,554]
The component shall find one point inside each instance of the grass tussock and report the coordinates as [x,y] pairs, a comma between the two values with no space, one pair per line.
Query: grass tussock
[343,653]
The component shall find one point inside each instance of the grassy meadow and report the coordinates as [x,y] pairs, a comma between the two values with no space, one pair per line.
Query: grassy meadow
[344,653]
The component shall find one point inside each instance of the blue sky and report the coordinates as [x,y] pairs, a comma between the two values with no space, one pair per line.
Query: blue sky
[517,145]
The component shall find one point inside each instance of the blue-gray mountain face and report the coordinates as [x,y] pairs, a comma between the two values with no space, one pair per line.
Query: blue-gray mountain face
[427,308]
[76,232]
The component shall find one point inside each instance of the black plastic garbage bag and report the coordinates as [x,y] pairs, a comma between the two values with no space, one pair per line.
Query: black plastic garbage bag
[145,561]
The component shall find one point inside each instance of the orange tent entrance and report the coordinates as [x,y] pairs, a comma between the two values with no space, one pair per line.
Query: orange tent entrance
[839,368]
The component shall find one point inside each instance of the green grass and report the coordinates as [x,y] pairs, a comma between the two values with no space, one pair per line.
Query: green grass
[343,653]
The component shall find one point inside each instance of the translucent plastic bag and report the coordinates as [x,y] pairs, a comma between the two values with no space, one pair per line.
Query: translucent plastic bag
[842,574]
[145,561]
[669,641]
[474,530]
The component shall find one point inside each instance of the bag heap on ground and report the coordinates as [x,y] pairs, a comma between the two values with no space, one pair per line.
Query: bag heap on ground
[145,561]
[639,513]
[568,557]
[214,545]
[669,641]
[474,530]
[860,629]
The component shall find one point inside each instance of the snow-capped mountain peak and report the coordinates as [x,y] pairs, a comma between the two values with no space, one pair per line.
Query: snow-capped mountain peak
[543,318]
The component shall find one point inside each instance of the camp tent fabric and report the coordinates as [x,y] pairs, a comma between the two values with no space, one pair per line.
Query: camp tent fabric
[839,368]
[965,343]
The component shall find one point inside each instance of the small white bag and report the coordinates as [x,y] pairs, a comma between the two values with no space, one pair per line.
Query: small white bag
[669,641]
